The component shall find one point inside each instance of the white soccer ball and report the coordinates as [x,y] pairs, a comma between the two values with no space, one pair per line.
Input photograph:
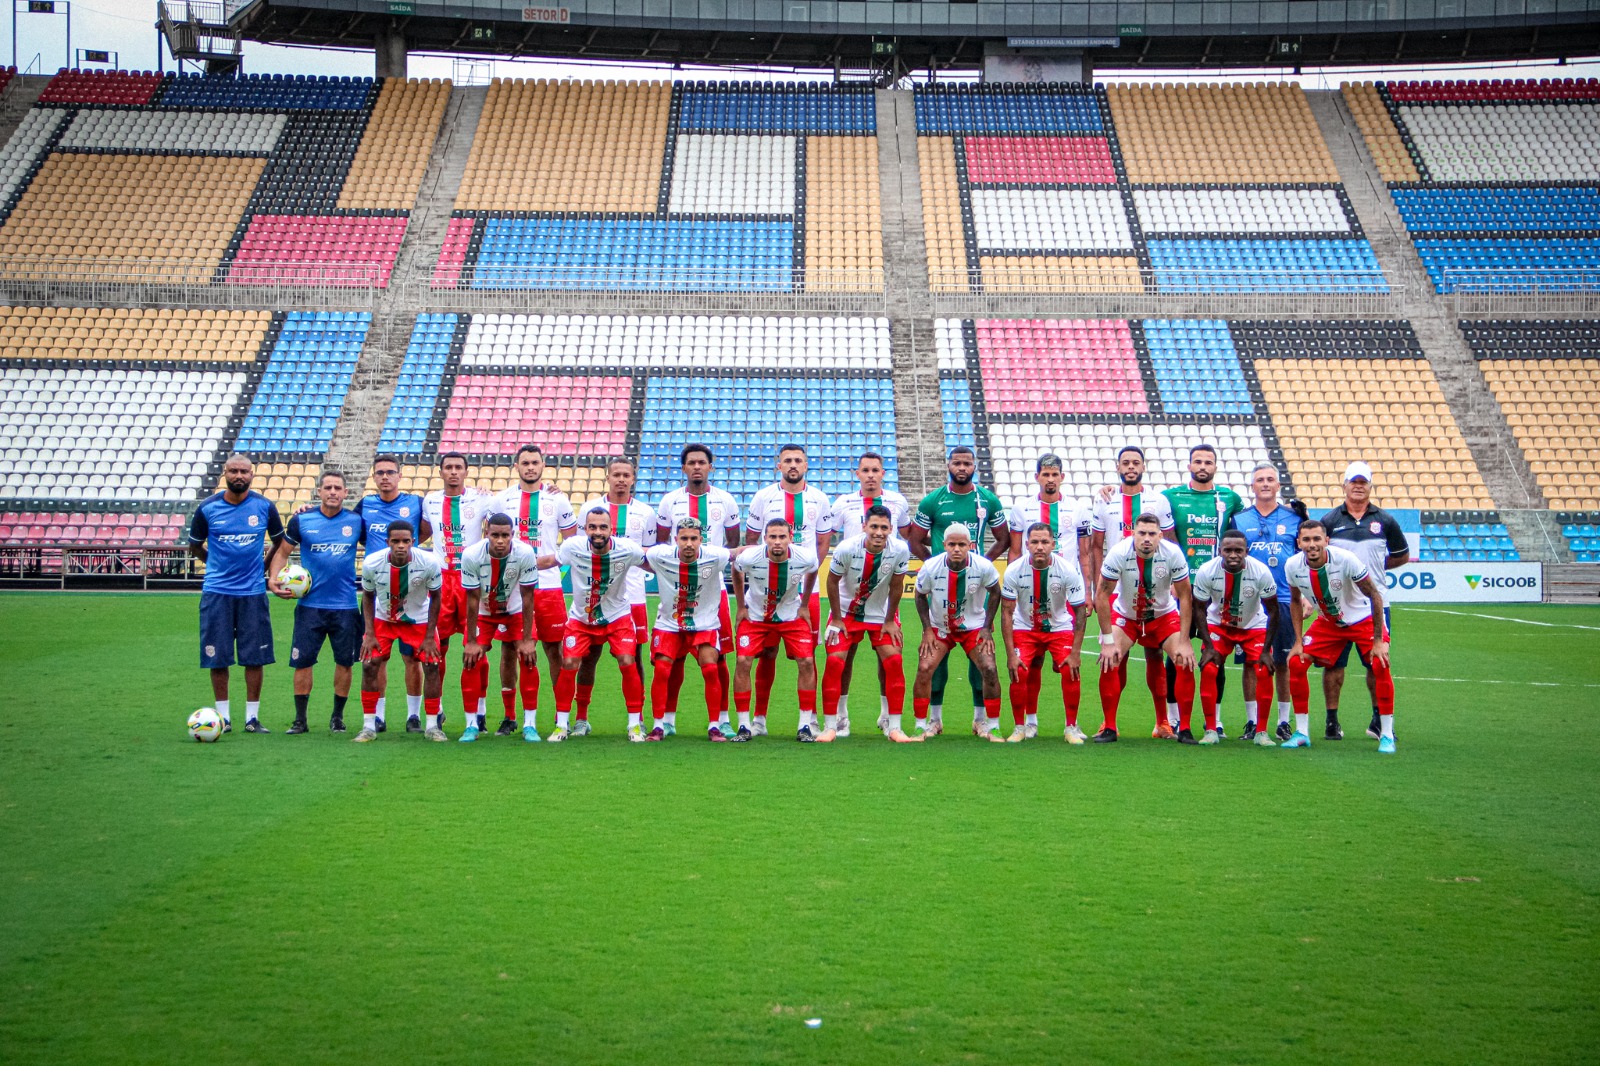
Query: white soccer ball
[296,579]
[205,725]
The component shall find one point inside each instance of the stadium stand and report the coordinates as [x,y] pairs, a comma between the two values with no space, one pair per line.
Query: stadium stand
[697,186]
[1582,530]
[1546,378]
[1465,537]
[303,386]
[388,166]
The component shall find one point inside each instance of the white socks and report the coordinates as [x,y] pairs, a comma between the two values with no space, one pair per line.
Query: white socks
[830,721]
[369,721]
[1285,709]
[744,719]
[935,712]
[672,718]
[1030,719]
[1302,724]
[252,710]
[843,710]
[561,719]
[432,722]
[383,704]
[894,723]
[222,709]
[1172,713]
[413,705]
[530,717]
[635,719]
[1386,725]
[1251,709]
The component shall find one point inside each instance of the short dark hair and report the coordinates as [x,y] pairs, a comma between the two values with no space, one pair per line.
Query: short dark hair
[326,474]
[878,510]
[399,523]
[793,447]
[1148,519]
[500,518]
[1236,533]
[870,455]
[1126,448]
[452,455]
[1307,523]
[386,457]
[1035,527]
[690,449]
[961,449]
[531,448]
[1050,459]
[1203,447]
[600,509]
[615,459]
[778,522]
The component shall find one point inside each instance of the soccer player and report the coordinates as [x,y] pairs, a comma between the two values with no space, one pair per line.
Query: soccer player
[378,509]
[689,578]
[1048,603]
[400,588]
[1201,510]
[1069,522]
[1150,580]
[957,596]
[327,538]
[849,520]
[544,519]
[718,515]
[810,515]
[1349,599]
[769,583]
[499,575]
[1243,611]
[1272,529]
[866,581]
[1374,535]
[455,516]
[636,520]
[230,533]
[960,500]
[601,616]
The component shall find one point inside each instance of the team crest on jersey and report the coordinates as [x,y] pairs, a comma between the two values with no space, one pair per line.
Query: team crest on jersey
[1376,527]
[346,531]
[253,520]
[572,642]
[1162,570]
[1282,529]
[405,512]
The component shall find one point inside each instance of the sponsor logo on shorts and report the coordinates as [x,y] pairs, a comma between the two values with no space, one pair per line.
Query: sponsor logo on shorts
[294,653]
[572,642]
[744,641]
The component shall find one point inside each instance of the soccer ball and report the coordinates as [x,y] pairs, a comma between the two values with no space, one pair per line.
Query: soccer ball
[295,579]
[205,725]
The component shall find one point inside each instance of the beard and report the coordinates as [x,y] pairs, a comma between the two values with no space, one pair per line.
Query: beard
[1203,477]
[960,479]
[238,488]
[793,477]
[1132,479]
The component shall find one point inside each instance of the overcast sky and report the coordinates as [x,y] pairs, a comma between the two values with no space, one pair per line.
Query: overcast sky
[127,27]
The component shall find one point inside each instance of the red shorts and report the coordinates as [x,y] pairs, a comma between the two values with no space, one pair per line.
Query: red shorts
[549,614]
[1325,640]
[675,646]
[581,636]
[1032,643]
[506,628]
[799,642]
[452,607]
[1227,638]
[409,636]
[641,623]
[1151,634]
[877,636]
[726,621]
[967,638]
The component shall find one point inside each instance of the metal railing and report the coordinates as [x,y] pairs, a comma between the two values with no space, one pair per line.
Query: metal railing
[78,281]
[61,565]
[1544,292]
[667,292]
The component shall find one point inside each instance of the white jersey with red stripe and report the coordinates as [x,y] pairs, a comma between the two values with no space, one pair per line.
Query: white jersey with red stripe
[716,511]
[401,593]
[772,590]
[635,520]
[1068,519]
[543,519]
[1116,518]
[457,522]
[499,581]
[599,580]
[1043,598]
[1144,586]
[1332,589]
[850,513]
[1235,599]
[808,512]
[690,593]
[864,577]
[957,599]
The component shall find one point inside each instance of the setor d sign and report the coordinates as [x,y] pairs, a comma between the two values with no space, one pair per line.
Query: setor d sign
[546,14]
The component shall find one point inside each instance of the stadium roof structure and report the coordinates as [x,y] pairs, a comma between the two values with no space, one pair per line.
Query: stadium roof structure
[941,34]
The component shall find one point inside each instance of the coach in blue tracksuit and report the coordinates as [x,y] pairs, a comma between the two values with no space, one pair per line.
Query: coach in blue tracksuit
[230,533]
[1272,529]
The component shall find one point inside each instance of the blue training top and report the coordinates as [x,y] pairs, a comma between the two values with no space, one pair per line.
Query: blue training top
[378,515]
[1272,540]
[235,536]
[328,552]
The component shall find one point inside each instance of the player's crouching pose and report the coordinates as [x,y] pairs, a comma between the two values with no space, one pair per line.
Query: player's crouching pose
[399,586]
[688,619]
[498,577]
[1152,608]
[600,616]
[958,594]
[769,582]
[1343,589]
[866,581]
[1048,606]
[1243,613]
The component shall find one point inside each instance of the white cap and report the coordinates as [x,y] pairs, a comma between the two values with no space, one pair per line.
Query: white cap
[1358,469]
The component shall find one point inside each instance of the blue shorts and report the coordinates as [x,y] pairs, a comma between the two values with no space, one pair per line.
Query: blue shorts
[1282,640]
[342,628]
[1344,656]
[229,620]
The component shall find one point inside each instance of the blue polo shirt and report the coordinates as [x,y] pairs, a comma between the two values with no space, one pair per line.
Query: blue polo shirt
[1272,540]
[328,552]
[407,506]
[235,536]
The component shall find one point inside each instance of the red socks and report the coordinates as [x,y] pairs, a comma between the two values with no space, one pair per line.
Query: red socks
[674,686]
[369,701]
[1385,686]
[1300,688]
[430,705]
[585,691]
[1070,691]
[632,692]
[725,686]
[808,700]
[919,707]
[1155,675]
[766,672]
[508,696]
[566,686]
[528,682]
[894,685]
[832,681]
[1111,682]
[991,708]
[741,701]
[660,681]
[712,672]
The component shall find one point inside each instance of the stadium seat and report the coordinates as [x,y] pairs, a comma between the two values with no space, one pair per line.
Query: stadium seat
[302,390]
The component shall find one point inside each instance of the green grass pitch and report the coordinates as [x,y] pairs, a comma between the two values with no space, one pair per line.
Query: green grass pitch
[303,899]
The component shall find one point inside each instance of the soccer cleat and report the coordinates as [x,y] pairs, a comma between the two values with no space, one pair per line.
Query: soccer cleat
[1249,732]
[1299,740]
[745,733]
[364,736]
[758,726]
[1222,732]
[227,725]
[1212,736]
[582,728]
[1283,731]
[383,726]
[508,727]
[435,734]
[1017,736]
[469,734]
[482,720]
[844,727]
[727,729]
[899,737]
[716,736]
[1105,736]
[1375,727]
[413,724]
[556,735]
[1386,745]
[883,721]
[741,737]
[1073,735]
[296,727]
[636,734]
[1332,731]
[655,735]
[931,727]
[668,729]
[1264,740]
[804,735]
[1163,731]
[254,726]
[1030,730]
[1186,737]
[530,734]
[336,723]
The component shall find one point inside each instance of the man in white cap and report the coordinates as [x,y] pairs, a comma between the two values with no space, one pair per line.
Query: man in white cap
[1361,526]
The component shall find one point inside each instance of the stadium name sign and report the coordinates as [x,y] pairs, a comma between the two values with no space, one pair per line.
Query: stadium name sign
[1465,583]
[546,14]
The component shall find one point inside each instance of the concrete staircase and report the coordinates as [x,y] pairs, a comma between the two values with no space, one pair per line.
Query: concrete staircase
[23,92]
